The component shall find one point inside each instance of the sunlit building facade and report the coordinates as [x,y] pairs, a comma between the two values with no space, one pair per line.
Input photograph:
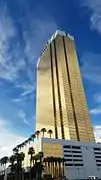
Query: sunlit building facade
[60,101]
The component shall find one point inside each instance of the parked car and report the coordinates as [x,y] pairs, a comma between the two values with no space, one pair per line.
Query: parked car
[93,177]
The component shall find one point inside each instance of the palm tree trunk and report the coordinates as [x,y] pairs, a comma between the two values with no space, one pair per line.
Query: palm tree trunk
[55,169]
[63,170]
[51,169]
[22,171]
[43,134]
[30,171]
[59,169]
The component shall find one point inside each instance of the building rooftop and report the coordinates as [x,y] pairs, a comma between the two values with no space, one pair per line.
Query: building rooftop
[62,33]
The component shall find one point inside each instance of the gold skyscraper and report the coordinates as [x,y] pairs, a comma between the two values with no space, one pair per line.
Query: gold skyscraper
[61,103]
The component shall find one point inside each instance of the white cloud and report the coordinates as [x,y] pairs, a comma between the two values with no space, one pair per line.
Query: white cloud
[96,111]
[97,132]
[27,89]
[39,31]
[8,140]
[35,37]
[28,92]
[97,97]
[17,100]
[17,58]
[22,115]
[10,63]
[91,67]
[95,19]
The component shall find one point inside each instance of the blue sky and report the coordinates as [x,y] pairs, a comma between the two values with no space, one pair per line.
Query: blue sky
[25,26]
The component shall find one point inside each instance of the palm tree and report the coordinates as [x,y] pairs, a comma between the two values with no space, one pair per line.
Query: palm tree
[37,133]
[22,144]
[15,150]
[50,132]
[43,130]
[34,159]
[36,165]
[48,160]
[25,142]
[31,152]
[29,140]
[33,136]
[48,165]
[19,146]
[45,164]
[19,157]
[0,166]
[63,166]
[55,161]
[52,165]
[59,160]
[12,160]
[40,154]
[4,161]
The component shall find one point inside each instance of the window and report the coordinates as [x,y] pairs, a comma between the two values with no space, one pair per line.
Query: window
[78,164]
[98,160]
[76,151]
[67,155]
[68,159]
[66,146]
[97,156]
[77,155]
[67,151]
[77,160]
[68,164]
[98,164]
[97,152]
[97,149]
[76,147]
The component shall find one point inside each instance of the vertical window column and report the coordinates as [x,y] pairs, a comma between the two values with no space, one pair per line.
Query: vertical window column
[59,96]
[53,92]
[74,114]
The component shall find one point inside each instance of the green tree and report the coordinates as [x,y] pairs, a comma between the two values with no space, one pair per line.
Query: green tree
[50,132]
[56,168]
[15,150]
[48,169]
[63,166]
[26,142]
[59,160]
[31,152]
[52,165]
[43,130]
[29,140]
[21,159]
[33,136]
[4,160]
[37,133]
[16,164]
[12,160]
[40,154]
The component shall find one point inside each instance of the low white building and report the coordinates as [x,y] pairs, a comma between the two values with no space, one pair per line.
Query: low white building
[82,159]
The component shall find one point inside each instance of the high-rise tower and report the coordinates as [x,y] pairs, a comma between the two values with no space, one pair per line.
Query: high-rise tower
[61,103]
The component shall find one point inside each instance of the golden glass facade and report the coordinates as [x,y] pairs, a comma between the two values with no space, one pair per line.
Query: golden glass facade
[60,102]
[51,149]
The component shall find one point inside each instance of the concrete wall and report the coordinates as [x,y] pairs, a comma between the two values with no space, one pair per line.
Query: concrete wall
[88,157]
